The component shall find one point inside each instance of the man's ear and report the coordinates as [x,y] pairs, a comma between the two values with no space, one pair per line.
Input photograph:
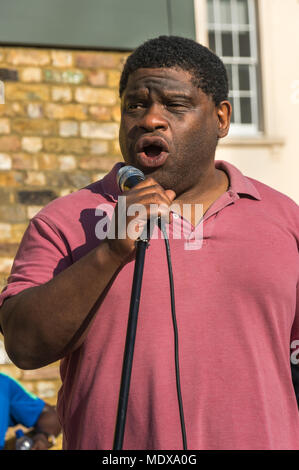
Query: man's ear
[224,112]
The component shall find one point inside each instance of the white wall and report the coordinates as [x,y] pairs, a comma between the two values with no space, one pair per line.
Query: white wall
[272,158]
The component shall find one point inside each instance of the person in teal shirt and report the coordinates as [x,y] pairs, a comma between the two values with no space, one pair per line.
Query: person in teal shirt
[18,406]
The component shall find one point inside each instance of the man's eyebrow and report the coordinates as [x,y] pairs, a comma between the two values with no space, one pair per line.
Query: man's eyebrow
[177,94]
[166,93]
[136,92]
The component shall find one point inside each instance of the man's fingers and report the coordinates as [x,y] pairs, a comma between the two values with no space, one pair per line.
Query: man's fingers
[155,192]
[170,194]
[151,185]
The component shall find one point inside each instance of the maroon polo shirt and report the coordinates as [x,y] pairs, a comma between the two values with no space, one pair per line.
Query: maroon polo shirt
[237,311]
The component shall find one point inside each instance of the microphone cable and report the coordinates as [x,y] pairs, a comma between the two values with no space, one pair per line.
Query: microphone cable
[175,328]
[128,177]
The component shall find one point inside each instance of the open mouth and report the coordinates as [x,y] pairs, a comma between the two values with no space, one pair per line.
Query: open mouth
[152,151]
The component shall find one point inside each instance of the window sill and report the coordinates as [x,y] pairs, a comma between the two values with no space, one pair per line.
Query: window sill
[262,141]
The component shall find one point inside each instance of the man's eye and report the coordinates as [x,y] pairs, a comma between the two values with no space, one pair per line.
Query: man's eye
[176,105]
[133,106]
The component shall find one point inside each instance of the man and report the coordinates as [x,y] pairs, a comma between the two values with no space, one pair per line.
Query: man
[18,406]
[69,292]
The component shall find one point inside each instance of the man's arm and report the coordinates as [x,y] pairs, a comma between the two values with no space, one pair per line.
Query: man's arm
[43,323]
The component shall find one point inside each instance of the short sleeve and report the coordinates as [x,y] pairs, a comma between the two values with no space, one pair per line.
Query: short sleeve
[42,254]
[25,408]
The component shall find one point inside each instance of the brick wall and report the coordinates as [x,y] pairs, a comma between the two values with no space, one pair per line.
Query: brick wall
[58,133]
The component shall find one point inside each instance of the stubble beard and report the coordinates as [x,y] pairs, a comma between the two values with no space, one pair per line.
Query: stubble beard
[179,172]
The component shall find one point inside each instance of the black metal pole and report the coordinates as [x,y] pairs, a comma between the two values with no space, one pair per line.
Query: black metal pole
[129,346]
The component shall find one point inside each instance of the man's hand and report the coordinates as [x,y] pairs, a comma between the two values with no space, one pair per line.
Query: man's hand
[155,202]
[60,311]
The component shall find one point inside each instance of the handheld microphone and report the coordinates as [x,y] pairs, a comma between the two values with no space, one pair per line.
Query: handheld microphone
[128,176]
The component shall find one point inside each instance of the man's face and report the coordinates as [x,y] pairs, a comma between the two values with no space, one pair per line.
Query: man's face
[169,127]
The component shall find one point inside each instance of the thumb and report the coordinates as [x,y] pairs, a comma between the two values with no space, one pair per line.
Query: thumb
[171,194]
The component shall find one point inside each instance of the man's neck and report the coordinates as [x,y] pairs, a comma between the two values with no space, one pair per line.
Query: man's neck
[215,183]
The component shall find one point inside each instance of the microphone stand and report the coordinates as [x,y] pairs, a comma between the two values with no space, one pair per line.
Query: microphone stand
[141,246]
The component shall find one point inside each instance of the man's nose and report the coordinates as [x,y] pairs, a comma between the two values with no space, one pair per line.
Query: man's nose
[153,118]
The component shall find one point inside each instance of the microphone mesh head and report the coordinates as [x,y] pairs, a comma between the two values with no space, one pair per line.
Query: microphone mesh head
[128,176]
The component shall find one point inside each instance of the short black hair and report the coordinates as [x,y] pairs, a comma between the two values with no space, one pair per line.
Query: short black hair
[207,68]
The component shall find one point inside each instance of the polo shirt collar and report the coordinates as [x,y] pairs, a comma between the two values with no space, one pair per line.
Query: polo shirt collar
[239,184]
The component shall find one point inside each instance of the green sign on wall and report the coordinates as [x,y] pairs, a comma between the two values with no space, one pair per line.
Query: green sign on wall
[99,24]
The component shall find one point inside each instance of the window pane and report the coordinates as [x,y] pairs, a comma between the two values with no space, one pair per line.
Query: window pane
[244,44]
[232,119]
[242,6]
[227,44]
[225,12]
[230,75]
[244,78]
[246,117]
[211,18]
[234,40]
[212,41]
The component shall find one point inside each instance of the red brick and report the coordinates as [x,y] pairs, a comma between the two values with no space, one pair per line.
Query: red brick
[66,146]
[34,127]
[96,60]
[23,161]
[11,178]
[66,111]
[113,78]
[11,143]
[101,113]
[4,126]
[6,196]
[97,163]
[97,78]
[13,109]
[13,213]
[46,161]
[28,57]
[26,92]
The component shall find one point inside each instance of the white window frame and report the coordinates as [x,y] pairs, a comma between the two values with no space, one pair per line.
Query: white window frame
[201,10]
